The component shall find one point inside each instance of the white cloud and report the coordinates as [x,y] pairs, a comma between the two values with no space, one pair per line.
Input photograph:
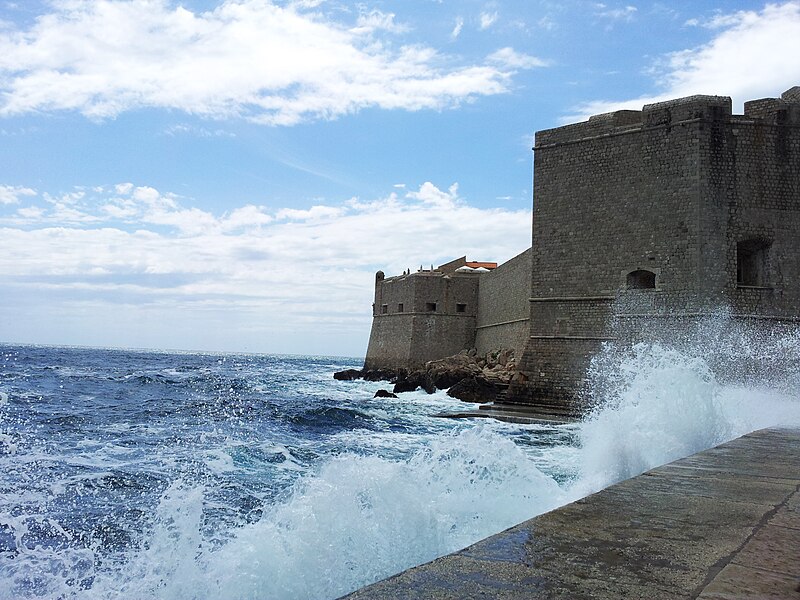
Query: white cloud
[431,195]
[512,59]
[376,20]
[487,20]
[315,213]
[286,270]
[31,212]
[625,14]
[255,59]
[194,130]
[246,217]
[753,54]
[457,28]
[546,23]
[10,194]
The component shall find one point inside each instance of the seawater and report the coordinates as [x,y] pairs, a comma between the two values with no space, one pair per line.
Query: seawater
[132,474]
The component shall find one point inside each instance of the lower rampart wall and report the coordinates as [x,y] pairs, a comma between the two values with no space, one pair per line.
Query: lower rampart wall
[503,316]
[390,342]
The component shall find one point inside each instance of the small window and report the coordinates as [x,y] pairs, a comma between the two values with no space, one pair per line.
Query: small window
[640,279]
[751,262]
[461,308]
[400,307]
[430,306]
[384,309]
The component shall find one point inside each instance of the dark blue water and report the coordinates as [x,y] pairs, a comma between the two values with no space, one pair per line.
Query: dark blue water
[139,475]
[176,475]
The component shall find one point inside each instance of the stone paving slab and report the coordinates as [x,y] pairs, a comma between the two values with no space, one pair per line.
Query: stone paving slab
[722,524]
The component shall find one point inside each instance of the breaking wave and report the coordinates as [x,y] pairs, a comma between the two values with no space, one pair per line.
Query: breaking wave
[387,486]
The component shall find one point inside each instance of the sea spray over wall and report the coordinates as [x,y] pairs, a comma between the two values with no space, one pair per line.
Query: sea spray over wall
[657,402]
[661,405]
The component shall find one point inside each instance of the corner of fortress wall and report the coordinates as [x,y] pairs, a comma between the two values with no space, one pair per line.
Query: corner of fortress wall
[643,221]
[646,221]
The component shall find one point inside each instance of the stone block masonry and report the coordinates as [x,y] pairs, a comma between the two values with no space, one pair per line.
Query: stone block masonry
[643,222]
[675,210]
[432,314]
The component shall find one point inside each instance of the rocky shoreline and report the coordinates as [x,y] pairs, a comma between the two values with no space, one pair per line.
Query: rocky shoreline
[465,376]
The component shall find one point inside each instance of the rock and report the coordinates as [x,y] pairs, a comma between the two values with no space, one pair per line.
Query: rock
[502,359]
[383,374]
[369,375]
[494,370]
[413,381]
[348,374]
[474,389]
[384,394]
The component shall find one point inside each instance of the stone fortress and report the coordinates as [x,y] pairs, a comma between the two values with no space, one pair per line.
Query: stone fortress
[643,222]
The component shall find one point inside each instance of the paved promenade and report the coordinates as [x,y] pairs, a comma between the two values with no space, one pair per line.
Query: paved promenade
[723,524]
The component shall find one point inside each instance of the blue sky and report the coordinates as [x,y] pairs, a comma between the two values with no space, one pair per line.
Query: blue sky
[229,175]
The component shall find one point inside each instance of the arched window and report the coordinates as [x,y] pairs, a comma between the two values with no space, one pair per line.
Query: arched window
[641,279]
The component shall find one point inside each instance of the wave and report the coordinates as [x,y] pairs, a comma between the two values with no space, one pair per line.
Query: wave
[356,517]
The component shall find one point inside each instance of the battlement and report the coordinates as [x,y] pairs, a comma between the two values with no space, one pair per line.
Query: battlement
[776,111]
[691,109]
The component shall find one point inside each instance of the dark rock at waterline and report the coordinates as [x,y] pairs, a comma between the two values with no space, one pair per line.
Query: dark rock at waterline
[408,382]
[348,374]
[384,394]
[369,374]
[475,389]
[483,377]
[382,374]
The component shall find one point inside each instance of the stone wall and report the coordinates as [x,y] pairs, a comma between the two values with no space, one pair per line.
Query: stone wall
[503,316]
[655,213]
[420,317]
[644,222]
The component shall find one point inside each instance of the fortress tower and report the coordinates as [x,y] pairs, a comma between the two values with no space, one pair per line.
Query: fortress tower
[658,216]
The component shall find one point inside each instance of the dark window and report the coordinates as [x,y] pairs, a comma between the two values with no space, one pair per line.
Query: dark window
[751,262]
[400,307]
[461,308]
[430,306]
[384,309]
[641,280]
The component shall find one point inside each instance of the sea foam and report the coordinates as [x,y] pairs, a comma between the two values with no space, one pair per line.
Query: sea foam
[389,499]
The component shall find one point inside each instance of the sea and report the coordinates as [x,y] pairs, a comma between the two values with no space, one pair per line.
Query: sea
[148,474]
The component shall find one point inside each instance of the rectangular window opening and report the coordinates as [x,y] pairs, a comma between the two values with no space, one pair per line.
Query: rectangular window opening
[384,309]
[430,306]
[400,307]
[461,308]
[751,263]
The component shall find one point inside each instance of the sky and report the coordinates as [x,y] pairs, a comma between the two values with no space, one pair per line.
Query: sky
[228,176]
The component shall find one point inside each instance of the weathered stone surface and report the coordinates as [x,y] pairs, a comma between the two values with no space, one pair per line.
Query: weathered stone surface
[384,394]
[684,191]
[717,525]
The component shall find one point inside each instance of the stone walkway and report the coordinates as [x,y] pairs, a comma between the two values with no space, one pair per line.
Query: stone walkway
[723,524]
